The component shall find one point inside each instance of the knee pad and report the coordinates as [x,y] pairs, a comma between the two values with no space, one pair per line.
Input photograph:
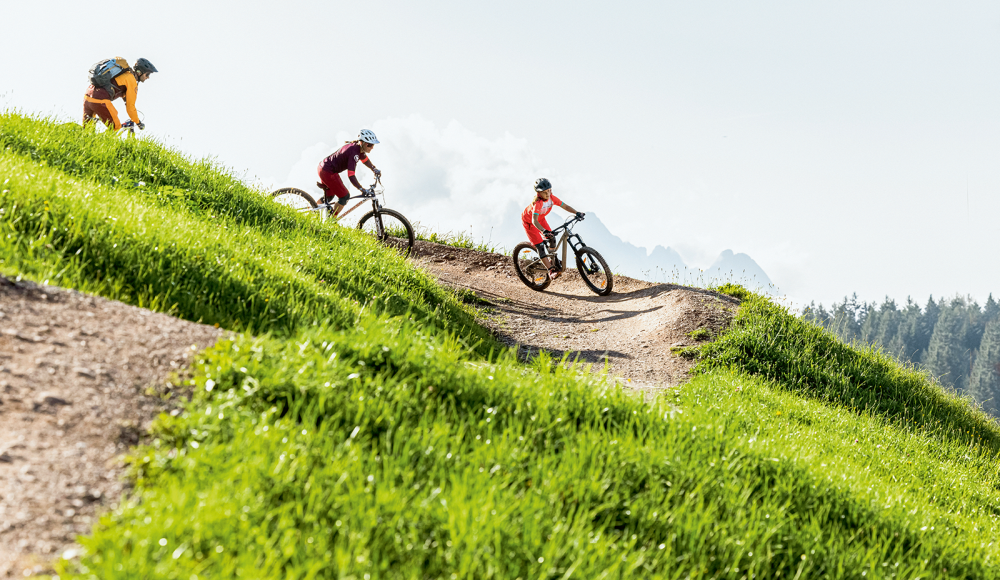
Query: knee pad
[542,249]
[342,200]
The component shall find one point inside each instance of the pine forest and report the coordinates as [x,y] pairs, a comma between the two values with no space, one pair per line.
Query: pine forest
[956,341]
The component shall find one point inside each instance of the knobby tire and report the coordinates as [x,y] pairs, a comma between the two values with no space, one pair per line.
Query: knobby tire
[294,198]
[529,267]
[594,271]
[397,231]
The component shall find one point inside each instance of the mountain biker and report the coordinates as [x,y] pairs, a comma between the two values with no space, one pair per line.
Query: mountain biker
[347,157]
[97,101]
[535,225]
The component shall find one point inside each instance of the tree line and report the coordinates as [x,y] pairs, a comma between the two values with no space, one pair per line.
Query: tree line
[956,341]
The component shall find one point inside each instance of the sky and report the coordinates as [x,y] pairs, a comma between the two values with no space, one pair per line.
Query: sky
[847,147]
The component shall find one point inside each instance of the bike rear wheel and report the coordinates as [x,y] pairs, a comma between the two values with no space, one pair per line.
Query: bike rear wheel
[294,198]
[529,267]
[594,271]
[389,227]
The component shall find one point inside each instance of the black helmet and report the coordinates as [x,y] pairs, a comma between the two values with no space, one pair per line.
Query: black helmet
[143,66]
[541,184]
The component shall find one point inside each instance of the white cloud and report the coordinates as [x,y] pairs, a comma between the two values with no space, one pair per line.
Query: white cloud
[452,180]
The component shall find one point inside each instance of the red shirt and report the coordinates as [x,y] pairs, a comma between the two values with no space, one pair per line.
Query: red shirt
[541,207]
[347,157]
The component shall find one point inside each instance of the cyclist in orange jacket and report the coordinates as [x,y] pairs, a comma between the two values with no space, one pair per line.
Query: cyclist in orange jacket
[97,100]
[535,225]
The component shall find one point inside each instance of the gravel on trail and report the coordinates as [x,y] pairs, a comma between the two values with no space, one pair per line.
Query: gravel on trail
[636,330]
[81,378]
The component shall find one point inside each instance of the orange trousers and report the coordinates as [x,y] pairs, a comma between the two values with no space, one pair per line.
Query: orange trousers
[101,109]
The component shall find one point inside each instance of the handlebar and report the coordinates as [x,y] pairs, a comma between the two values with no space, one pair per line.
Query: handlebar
[378,181]
[568,224]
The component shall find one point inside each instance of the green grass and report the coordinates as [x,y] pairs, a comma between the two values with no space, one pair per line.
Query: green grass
[457,240]
[700,334]
[390,456]
[361,427]
[766,341]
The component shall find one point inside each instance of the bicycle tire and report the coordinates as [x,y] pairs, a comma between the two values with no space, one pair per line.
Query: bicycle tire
[294,198]
[398,235]
[529,267]
[594,271]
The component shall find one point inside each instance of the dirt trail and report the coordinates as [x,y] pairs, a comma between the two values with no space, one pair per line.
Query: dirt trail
[633,329]
[80,381]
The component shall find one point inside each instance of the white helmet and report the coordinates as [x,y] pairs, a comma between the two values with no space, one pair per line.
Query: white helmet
[368,137]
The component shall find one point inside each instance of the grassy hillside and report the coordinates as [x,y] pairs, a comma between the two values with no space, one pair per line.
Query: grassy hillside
[365,427]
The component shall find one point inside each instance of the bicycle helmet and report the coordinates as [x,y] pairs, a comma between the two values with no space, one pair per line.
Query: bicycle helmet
[542,184]
[143,66]
[368,137]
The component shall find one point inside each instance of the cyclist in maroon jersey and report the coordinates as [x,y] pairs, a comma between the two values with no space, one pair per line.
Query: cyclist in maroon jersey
[535,225]
[347,157]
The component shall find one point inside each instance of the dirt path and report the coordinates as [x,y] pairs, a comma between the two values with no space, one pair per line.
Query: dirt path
[633,329]
[80,381]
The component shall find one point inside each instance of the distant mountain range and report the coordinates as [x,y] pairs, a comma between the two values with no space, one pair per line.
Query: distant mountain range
[666,265]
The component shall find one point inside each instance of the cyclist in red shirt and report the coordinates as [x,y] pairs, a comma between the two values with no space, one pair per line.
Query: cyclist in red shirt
[535,225]
[347,157]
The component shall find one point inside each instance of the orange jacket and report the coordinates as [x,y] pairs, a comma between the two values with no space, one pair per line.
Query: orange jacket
[130,87]
[127,88]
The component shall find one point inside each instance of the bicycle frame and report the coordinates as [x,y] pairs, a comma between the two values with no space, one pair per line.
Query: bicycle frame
[568,240]
[376,206]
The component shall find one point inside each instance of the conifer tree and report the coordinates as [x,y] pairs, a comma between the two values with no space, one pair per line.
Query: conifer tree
[904,345]
[925,328]
[817,314]
[882,325]
[946,355]
[844,319]
[991,310]
[984,382]
[974,324]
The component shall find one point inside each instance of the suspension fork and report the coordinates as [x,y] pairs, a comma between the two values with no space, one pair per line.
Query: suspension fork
[573,241]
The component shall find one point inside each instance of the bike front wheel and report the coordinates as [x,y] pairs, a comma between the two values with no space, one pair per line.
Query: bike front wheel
[389,227]
[294,198]
[529,267]
[594,271]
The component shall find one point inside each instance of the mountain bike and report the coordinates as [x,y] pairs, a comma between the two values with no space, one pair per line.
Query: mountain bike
[593,269]
[385,225]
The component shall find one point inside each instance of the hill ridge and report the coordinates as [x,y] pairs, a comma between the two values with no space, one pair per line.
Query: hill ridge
[363,422]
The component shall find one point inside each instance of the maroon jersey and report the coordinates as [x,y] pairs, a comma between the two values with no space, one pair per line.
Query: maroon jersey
[347,157]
